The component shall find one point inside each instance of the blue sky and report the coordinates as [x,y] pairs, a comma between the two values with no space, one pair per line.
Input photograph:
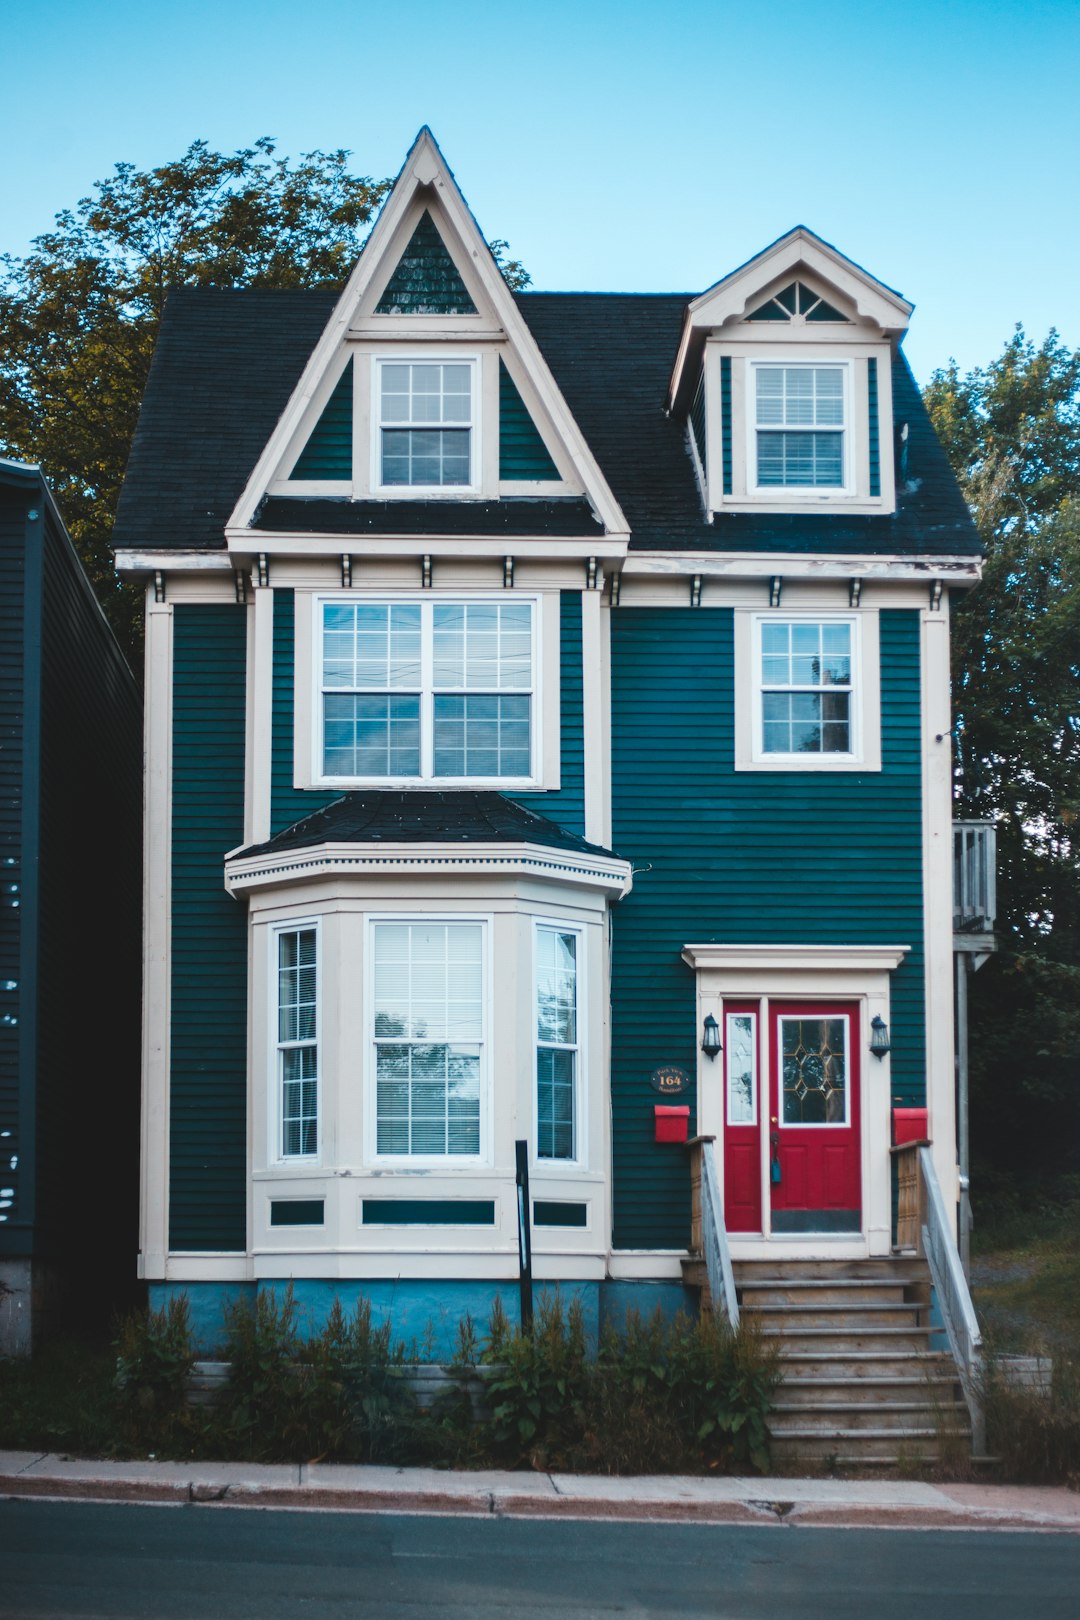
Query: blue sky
[633,146]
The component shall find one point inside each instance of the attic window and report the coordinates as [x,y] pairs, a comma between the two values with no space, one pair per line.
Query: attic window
[796,301]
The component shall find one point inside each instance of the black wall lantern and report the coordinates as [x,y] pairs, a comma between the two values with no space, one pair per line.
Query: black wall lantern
[710,1037]
[879,1036]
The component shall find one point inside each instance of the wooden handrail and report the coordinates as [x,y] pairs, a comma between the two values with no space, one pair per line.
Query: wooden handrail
[708,1234]
[909,1218]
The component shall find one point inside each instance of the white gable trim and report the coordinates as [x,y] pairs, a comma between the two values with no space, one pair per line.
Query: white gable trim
[426,167]
[731,298]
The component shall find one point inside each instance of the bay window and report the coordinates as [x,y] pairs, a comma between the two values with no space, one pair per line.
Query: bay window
[558,1043]
[297,1041]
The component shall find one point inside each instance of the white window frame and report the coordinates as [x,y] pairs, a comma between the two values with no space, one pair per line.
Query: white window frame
[755,1076]
[783,493]
[420,356]
[581,1090]
[468,1162]
[865,710]
[276,1047]
[824,1016]
[427,601]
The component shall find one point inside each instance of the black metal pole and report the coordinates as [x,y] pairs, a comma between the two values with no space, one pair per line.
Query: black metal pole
[521,1150]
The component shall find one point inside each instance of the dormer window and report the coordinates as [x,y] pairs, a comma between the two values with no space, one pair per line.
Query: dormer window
[800,426]
[426,415]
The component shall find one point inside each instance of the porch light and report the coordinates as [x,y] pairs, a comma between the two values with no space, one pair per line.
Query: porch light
[710,1037]
[879,1036]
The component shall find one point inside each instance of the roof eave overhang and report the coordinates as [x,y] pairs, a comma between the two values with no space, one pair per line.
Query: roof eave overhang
[247,874]
[955,571]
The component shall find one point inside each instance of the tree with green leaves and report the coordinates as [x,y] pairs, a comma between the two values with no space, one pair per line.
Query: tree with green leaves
[1012,432]
[79,313]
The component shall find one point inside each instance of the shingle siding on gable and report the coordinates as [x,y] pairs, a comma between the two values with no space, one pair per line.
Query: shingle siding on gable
[747,857]
[426,280]
[208,1106]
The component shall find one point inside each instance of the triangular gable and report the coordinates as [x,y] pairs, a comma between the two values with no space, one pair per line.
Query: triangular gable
[844,292]
[426,281]
[387,297]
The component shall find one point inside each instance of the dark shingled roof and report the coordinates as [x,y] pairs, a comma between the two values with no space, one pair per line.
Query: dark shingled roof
[568,517]
[226,364]
[421,817]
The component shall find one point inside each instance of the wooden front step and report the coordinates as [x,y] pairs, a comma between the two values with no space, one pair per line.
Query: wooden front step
[860,1384]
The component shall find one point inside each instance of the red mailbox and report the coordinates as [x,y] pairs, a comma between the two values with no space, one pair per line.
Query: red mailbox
[672,1124]
[910,1125]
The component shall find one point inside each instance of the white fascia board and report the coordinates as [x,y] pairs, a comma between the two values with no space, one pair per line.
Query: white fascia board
[245,544]
[758,565]
[425,166]
[334,860]
[796,958]
[151,559]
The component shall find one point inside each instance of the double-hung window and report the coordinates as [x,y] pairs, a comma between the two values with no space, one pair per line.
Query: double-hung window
[806,689]
[558,1046]
[426,436]
[297,1041]
[800,424]
[428,1038]
[427,691]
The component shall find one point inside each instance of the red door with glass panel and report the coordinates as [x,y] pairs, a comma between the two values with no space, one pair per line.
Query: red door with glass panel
[815,1178]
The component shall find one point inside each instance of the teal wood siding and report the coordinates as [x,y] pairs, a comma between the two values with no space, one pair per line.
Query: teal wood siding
[697,419]
[873,430]
[426,281]
[725,420]
[208,1107]
[522,451]
[287,803]
[566,806]
[802,857]
[328,452]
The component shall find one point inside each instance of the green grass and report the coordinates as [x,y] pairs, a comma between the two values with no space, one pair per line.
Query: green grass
[1026,1284]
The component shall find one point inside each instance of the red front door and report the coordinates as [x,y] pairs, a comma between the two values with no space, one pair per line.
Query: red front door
[815,1181]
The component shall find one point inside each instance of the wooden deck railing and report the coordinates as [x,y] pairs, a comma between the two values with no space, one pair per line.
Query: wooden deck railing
[923,1226]
[708,1234]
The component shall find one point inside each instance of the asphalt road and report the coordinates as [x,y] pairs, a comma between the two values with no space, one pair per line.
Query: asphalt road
[78,1560]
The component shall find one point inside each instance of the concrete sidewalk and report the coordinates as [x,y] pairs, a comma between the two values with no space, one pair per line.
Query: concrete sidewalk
[902,1504]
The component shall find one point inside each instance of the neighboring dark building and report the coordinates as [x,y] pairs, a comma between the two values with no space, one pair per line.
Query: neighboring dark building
[70,858]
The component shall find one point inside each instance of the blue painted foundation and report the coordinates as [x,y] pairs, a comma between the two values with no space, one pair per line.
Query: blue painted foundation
[646,1298]
[424,1314]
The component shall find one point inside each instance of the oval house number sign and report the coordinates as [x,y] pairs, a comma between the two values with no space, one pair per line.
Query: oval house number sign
[669,1080]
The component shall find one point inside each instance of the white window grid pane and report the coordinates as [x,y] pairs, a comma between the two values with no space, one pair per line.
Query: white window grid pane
[428,995]
[415,691]
[427,393]
[800,396]
[557,1043]
[298,1053]
[806,686]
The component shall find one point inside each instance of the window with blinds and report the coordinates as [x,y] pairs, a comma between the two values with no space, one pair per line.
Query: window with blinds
[800,422]
[428,1038]
[297,1041]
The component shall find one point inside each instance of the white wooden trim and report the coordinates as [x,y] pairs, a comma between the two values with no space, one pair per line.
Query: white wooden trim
[143,559]
[225,1267]
[260,714]
[937,782]
[593,630]
[157,966]
[954,570]
[794,959]
[245,544]
[646,1265]
[245,874]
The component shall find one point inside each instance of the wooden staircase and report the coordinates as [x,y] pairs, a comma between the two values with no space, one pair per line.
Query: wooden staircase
[861,1387]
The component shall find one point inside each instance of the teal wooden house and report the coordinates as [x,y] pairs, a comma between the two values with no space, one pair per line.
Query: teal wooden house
[548,729]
